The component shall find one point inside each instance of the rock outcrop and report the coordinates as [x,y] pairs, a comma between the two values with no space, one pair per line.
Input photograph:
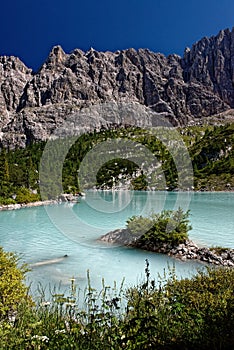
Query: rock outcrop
[14,76]
[184,251]
[181,89]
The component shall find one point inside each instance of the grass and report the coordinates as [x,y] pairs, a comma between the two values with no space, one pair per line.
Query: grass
[166,313]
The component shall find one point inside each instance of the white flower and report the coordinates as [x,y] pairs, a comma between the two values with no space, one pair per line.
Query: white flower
[60,331]
[45,303]
[67,326]
[43,338]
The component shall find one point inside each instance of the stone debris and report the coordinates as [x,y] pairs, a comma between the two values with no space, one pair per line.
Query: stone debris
[186,251]
[190,250]
[27,205]
[64,197]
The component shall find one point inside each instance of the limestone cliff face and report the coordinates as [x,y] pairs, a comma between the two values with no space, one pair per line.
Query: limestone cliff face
[14,75]
[210,63]
[199,84]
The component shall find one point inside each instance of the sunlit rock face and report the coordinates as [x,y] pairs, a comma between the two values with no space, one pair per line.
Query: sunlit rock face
[179,89]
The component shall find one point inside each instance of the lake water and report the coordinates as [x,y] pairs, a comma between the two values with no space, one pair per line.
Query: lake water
[42,233]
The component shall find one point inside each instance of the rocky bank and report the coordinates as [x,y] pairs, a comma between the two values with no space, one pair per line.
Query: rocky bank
[64,197]
[186,251]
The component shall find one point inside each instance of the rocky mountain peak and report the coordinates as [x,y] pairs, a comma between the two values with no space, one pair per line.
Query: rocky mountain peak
[180,89]
[211,62]
[56,57]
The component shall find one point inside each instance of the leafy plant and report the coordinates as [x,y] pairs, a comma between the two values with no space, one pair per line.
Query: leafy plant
[167,313]
[170,227]
[195,313]
[12,288]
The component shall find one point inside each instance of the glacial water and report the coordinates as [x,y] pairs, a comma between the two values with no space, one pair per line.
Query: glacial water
[50,232]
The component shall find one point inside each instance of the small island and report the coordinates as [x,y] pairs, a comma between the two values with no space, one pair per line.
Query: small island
[167,233]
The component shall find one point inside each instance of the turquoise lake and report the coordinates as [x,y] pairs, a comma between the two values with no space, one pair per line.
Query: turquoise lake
[50,232]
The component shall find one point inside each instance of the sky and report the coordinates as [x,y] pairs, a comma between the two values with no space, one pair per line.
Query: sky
[29,29]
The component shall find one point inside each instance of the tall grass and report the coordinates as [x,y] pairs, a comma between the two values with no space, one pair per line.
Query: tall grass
[167,313]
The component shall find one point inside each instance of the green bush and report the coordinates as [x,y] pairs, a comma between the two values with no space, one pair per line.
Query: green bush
[196,313]
[7,201]
[12,289]
[138,225]
[166,227]
[169,313]
[24,195]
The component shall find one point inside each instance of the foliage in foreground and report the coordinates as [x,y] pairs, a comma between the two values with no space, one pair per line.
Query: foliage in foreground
[195,313]
[12,288]
[169,227]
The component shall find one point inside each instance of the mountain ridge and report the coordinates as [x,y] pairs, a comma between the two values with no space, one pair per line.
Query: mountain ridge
[181,89]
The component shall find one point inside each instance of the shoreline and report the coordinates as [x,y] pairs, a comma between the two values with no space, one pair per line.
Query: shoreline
[150,190]
[63,198]
[17,206]
[184,251]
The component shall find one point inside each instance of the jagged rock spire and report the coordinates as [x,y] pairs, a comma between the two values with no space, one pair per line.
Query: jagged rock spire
[199,84]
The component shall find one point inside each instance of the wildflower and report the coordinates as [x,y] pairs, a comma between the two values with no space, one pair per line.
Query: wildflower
[67,325]
[43,338]
[12,318]
[57,331]
[82,331]
[45,303]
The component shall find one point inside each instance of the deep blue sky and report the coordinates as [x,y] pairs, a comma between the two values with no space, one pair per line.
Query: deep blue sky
[29,29]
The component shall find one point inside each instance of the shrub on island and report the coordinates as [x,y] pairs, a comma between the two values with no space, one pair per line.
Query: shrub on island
[168,227]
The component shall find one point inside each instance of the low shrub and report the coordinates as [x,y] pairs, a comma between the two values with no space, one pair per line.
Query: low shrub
[195,313]
[24,195]
[166,227]
[12,287]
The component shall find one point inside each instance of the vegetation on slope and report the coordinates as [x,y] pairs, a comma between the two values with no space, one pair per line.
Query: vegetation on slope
[213,159]
[210,149]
